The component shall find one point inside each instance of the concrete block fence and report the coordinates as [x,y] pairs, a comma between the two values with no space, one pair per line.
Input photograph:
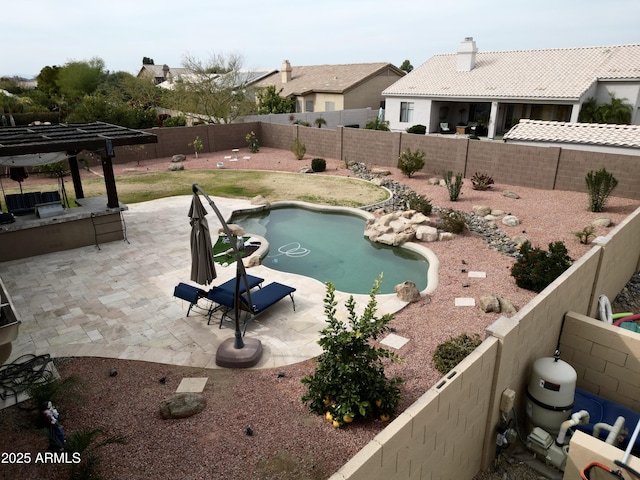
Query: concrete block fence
[546,168]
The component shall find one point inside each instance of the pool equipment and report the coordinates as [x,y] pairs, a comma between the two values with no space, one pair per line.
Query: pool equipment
[604,307]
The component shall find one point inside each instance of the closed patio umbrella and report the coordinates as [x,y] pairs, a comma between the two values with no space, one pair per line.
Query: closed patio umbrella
[203,269]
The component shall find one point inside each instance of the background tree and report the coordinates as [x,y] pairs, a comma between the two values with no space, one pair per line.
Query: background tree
[10,104]
[217,91]
[406,66]
[77,79]
[270,101]
[616,112]
[377,124]
[147,61]
[48,80]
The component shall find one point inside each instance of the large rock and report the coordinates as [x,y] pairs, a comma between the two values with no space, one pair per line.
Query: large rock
[489,303]
[510,194]
[182,405]
[260,200]
[380,171]
[481,210]
[510,221]
[236,230]
[506,306]
[446,236]
[407,292]
[426,233]
[251,261]
[601,222]
[433,181]
[175,167]
[178,158]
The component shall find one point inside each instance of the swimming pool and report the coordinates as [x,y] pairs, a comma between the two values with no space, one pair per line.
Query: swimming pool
[328,244]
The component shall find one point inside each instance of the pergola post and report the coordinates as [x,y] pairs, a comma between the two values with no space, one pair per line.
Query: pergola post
[109,177]
[75,174]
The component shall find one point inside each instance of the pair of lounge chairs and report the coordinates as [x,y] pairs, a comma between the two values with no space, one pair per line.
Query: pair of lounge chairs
[222,297]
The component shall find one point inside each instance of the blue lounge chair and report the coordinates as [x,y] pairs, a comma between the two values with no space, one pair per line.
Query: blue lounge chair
[222,295]
[261,300]
[193,294]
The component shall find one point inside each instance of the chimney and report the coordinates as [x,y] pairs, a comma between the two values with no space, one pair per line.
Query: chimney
[285,71]
[467,55]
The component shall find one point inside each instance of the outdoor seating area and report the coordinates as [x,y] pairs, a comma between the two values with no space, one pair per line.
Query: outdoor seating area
[221,298]
[27,203]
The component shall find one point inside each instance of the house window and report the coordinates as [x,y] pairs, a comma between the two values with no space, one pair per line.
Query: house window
[298,106]
[308,106]
[406,111]
[329,106]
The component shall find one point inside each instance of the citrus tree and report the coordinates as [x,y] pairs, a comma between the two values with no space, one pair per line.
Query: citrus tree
[349,381]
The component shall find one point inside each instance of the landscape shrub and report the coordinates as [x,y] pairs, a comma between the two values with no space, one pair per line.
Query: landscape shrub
[585,234]
[410,162]
[349,381]
[176,121]
[252,142]
[318,165]
[454,187]
[600,184]
[537,268]
[298,148]
[418,129]
[419,203]
[451,221]
[481,181]
[450,353]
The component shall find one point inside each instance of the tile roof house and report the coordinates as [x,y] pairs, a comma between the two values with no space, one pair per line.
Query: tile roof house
[162,73]
[493,90]
[621,139]
[324,88]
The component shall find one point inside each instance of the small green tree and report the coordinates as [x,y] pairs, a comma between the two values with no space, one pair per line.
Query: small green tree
[410,162]
[270,101]
[197,145]
[600,184]
[406,66]
[454,187]
[349,381]
[252,142]
[298,148]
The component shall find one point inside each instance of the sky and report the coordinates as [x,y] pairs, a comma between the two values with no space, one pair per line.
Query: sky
[39,33]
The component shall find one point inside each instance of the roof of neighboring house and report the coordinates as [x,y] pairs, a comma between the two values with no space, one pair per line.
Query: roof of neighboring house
[241,77]
[562,73]
[575,133]
[157,71]
[326,78]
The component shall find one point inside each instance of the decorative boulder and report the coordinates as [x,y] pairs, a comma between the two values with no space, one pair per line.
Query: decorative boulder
[380,171]
[446,236]
[260,200]
[433,181]
[178,158]
[175,167]
[601,222]
[489,303]
[426,233]
[519,240]
[506,306]
[407,292]
[510,194]
[481,210]
[511,221]
[305,170]
[182,405]
[251,261]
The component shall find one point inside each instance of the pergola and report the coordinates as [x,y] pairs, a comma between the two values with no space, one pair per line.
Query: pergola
[43,144]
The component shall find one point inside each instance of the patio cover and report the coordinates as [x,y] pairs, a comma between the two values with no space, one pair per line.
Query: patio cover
[43,144]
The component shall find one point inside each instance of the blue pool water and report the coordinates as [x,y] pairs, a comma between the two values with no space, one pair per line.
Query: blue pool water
[331,246]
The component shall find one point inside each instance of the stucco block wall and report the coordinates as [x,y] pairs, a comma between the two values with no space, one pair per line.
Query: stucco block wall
[277,136]
[575,164]
[513,164]
[606,358]
[585,449]
[373,147]
[441,153]
[438,437]
[620,259]
[321,141]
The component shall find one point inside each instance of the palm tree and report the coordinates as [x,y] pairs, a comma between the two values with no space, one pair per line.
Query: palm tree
[320,121]
[617,112]
[10,104]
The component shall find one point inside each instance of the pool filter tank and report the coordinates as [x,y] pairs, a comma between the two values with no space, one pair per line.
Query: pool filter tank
[550,393]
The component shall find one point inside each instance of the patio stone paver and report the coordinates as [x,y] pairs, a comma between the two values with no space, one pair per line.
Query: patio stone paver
[117,301]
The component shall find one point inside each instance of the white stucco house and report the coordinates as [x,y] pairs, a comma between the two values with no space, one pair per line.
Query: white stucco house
[492,91]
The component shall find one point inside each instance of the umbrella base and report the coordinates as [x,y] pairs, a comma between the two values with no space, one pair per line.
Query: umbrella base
[248,356]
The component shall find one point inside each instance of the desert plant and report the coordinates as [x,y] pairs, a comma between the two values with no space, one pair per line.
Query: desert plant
[298,148]
[252,142]
[301,122]
[197,145]
[377,124]
[454,187]
[450,353]
[410,162]
[481,181]
[419,203]
[418,129]
[451,220]
[600,184]
[318,165]
[537,268]
[57,391]
[176,121]
[319,122]
[84,445]
[349,381]
[585,234]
